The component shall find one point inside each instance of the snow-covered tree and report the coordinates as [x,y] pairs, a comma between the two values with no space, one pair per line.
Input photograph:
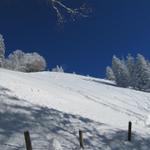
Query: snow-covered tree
[130,63]
[2,50]
[110,74]
[64,10]
[25,62]
[133,72]
[58,69]
[15,61]
[142,73]
[120,71]
[33,62]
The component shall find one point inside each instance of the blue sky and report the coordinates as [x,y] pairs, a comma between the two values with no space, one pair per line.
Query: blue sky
[86,46]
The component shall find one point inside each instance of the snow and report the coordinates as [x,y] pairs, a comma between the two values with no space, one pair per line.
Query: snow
[54,106]
[55,145]
[147,122]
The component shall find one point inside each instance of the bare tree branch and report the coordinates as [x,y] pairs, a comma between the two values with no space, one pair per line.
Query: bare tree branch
[62,10]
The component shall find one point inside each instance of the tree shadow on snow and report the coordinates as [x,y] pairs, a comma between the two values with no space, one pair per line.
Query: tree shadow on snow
[45,123]
[101,82]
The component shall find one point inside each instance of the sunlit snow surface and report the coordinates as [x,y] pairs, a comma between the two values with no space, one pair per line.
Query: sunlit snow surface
[54,106]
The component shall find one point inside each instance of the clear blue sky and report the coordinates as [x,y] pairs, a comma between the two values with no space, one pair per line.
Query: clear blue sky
[86,47]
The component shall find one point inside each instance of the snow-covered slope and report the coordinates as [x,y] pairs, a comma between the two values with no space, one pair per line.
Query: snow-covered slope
[57,105]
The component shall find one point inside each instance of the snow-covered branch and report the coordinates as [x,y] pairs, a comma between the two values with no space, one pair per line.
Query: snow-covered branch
[62,10]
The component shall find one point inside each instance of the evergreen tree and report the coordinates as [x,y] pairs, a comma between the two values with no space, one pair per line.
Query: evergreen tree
[109,74]
[130,63]
[121,72]
[2,50]
[142,73]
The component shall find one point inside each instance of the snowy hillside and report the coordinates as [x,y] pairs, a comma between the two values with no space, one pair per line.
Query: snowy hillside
[56,105]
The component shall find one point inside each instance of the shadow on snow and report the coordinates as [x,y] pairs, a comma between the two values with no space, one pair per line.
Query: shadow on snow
[17,116]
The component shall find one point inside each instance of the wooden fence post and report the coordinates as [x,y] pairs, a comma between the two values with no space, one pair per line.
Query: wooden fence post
[27,140]
[81,139]
[129,131]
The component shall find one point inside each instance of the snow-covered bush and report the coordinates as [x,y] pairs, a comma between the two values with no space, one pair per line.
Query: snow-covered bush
[15,61]
[33,62]
[58,69]
[25,62]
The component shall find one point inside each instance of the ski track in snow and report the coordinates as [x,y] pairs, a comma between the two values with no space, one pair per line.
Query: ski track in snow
[114,107]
